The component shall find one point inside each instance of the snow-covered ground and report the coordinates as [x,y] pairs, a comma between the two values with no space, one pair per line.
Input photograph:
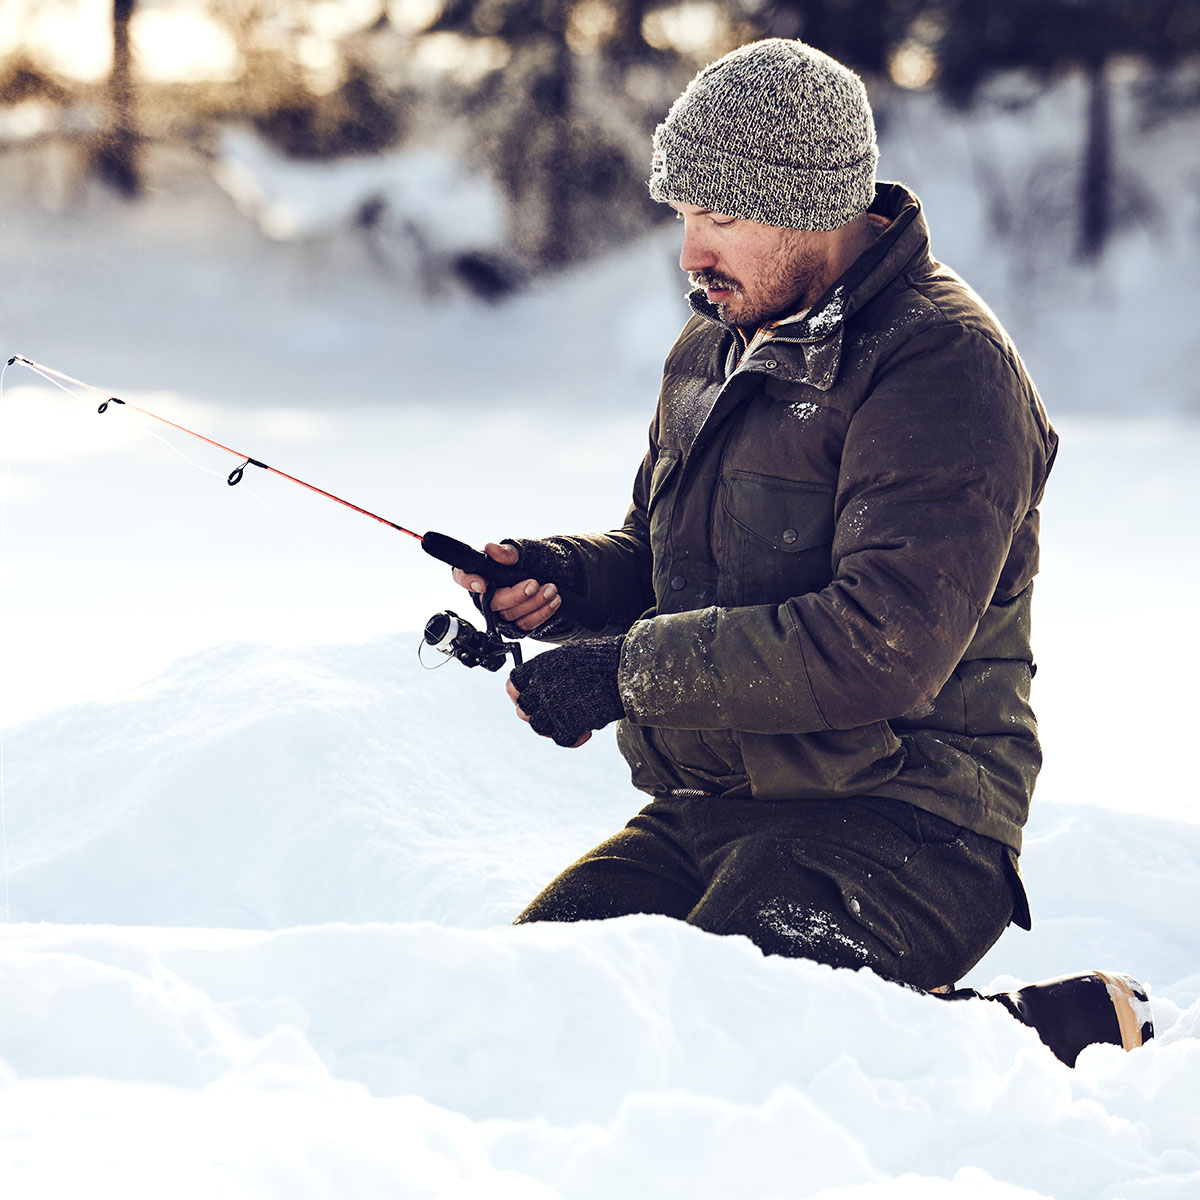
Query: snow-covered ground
[259,864]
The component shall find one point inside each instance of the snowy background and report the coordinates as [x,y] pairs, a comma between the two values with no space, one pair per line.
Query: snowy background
[259,864]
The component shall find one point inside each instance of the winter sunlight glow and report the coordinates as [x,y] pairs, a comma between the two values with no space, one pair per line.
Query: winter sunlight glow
[464,58]
[70,37]
[182,45]
[694,27]
[175,42]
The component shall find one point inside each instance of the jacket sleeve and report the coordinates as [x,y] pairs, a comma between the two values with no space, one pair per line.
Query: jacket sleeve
[616,565]
[941,463]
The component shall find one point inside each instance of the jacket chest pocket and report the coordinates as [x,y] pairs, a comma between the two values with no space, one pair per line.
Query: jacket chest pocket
[777,538]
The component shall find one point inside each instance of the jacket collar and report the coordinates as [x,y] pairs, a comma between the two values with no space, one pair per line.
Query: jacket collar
[819,333]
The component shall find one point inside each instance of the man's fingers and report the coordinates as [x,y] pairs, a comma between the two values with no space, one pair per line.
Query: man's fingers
[473,583]
[528,604]
[539,616]
[476,583]
[501,553]
[514,696]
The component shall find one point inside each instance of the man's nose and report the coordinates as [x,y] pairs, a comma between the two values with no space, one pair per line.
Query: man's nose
[695,254]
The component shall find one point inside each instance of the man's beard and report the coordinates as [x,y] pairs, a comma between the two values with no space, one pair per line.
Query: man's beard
[796,283]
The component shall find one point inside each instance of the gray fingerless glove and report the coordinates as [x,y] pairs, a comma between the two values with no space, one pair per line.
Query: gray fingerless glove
[571,690]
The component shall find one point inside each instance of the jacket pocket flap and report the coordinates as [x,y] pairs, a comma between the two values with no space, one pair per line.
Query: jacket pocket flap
[787,515]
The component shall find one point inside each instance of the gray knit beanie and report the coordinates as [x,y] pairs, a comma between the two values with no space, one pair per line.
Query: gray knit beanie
[774,132]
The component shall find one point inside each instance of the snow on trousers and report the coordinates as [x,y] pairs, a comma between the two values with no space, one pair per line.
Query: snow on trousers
[872,882]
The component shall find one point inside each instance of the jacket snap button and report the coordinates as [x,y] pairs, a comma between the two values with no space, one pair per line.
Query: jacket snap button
[855,907]
[678,582]
[789,536]
[770,364]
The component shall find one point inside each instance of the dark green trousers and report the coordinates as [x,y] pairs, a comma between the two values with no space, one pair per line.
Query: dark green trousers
[866,882]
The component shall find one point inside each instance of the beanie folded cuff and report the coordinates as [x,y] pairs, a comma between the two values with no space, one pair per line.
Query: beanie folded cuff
[793,197]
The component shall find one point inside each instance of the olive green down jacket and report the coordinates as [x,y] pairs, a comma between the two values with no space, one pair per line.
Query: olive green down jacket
[827,566]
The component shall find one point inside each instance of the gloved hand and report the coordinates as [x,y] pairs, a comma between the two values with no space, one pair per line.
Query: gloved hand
[519,615]
[548,558]
[566,693]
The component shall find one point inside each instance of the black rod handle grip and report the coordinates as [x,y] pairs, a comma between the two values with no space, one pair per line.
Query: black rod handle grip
[575,608]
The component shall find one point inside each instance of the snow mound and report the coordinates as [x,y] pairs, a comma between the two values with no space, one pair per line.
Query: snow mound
[435,196]
[548,1061]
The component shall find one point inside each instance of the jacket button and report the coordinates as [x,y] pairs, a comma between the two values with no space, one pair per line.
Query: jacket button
[770,364]
[789,536]
[678,582]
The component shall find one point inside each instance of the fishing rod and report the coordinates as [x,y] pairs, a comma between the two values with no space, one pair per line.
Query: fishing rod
[445,632]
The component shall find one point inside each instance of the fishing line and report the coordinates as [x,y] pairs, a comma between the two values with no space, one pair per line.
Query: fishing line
[49,375]
[4,829]
[187,458]
[235,476]
[437,545]
[3,519]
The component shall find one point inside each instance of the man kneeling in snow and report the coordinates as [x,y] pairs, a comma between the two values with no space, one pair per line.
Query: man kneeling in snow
[819,600]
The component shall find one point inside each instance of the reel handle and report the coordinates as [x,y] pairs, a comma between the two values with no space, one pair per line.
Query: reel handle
[575,608]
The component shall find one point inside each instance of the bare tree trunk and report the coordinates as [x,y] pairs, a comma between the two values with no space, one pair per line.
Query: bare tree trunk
[627,44]
[115,156]
[536,162]
[1096,181]
[555,156]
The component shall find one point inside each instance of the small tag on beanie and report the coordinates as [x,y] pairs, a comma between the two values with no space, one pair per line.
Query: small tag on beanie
[658,164]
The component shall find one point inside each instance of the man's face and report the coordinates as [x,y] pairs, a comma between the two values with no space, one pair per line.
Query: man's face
[753,273]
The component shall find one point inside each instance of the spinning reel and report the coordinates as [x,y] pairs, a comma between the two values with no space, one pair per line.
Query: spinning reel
[456,637]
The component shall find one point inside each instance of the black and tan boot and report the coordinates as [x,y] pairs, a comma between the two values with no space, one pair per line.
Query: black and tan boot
[1074,1011]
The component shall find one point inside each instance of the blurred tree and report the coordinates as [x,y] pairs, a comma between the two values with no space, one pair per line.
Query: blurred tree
[521,116]
[357,117]
[564,122]
[305,88]
[863,34]
[21,80]
[556,98]
[978,38]
[622,36]
[114,155]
